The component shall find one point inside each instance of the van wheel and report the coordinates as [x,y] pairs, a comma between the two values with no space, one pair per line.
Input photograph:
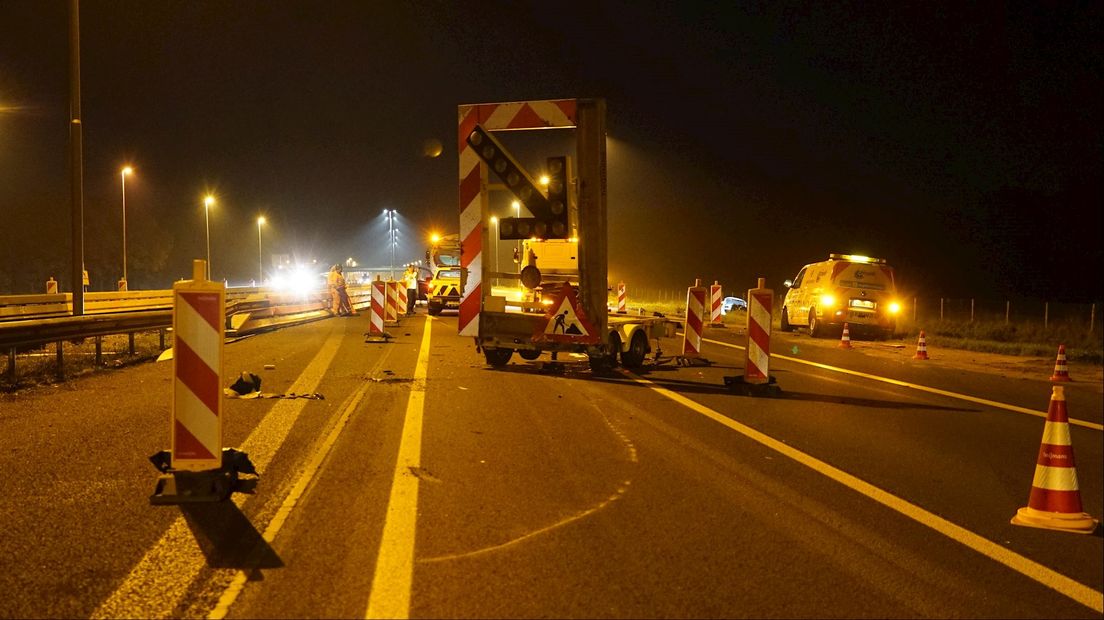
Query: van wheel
[785,322]
[815,330]
[497,357]
[638,349]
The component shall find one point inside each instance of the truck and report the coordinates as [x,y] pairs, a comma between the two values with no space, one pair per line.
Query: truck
[443,259]
[557,302]
[847,288]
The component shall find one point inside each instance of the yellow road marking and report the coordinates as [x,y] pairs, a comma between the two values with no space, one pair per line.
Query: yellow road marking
[240,578]
[146,592]
[1060,583]
[390,596]
[922,388]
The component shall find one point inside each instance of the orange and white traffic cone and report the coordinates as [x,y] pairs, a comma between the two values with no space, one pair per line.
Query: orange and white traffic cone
[1055,500]
[1061,371]
[921,348]
[845,340]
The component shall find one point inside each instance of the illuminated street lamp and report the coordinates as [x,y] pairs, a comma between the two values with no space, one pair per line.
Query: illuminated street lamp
[260,260]
[122,177]
[494,222]
[207,202]
[391,213]
[517,211]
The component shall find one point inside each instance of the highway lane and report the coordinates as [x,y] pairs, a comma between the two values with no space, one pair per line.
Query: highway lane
[538,494]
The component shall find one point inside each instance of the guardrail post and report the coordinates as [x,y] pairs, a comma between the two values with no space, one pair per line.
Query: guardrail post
[1046,315]
[1007,311]
[941,309]
[130,340]
[161,337]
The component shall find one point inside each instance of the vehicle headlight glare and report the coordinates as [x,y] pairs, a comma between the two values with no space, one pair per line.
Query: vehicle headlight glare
[827,301]
[894,307]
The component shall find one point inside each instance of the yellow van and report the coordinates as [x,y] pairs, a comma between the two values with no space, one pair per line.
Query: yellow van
[846,288]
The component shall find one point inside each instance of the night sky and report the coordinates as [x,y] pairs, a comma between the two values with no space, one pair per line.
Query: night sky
[960,141]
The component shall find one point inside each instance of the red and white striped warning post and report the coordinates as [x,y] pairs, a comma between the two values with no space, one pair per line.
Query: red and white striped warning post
[1055,500]
[400,290]
[199,315]
[715,297]
[757,355]
[51,286]
[391,311]
[695,320]
[473,182]
[622,300]
[379,302]
[197,468]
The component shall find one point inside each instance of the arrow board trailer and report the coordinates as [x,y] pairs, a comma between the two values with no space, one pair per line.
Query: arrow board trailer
[556,300]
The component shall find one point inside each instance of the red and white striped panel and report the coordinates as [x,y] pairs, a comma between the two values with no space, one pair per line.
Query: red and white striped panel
[695,321]
[715,297]
[757,366]
[402,299]
[391,311]
[493,117]
[379,302]
[1054,488]
[198,329]
[622,300]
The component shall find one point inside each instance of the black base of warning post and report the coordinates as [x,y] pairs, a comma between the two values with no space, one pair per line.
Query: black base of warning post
[211,485]
[739,385]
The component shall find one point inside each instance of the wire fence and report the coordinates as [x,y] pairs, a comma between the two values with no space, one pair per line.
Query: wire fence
[1046,314]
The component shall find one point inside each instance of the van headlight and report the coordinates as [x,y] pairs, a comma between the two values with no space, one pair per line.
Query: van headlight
[827,301]
[894,307]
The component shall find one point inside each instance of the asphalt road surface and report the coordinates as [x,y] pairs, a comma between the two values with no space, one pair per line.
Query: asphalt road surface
[427,484]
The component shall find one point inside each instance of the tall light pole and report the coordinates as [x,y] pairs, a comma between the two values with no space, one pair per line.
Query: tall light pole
[207,202]
[122,178]
[494,222]
[517,211]
[260,259]
[391,235]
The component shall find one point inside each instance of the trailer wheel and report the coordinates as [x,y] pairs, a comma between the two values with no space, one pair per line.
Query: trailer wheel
[497,357]
[529,354]
[638,350]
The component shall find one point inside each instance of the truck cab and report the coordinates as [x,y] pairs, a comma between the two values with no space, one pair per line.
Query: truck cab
[443,258]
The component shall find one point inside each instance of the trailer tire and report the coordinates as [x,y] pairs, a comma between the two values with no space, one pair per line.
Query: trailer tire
[529,354]
[638,350]
[497,357]
[433,309]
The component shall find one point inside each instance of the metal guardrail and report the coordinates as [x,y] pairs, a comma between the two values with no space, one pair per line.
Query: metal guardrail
[37,320]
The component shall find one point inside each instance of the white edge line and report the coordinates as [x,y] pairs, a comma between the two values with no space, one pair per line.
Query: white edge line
[922,388]
[1062,584]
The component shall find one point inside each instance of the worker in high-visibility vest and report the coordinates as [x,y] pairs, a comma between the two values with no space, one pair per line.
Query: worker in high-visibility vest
[341,304]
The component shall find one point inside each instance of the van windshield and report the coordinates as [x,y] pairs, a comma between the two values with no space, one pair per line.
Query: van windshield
[863,275]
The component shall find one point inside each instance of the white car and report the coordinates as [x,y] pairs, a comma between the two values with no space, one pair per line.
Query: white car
[729,304]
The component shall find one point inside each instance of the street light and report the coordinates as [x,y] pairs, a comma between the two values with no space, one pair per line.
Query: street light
[122,177]
[517,210]
[391,213]
[207,202]
[260,259]
[494,222]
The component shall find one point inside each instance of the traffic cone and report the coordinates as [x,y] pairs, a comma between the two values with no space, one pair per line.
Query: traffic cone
[921,348]
[845,340]
[1055,500]
[1061,371]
